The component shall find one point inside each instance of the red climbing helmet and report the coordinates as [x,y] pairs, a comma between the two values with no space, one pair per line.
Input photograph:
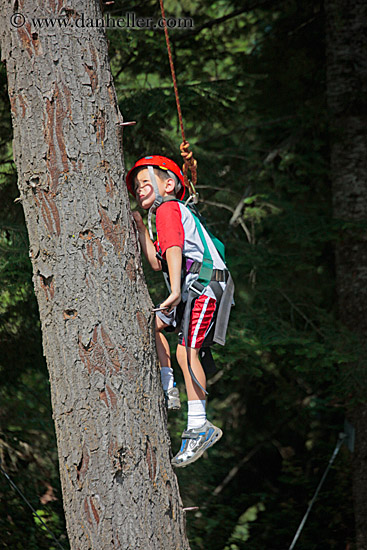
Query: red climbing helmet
[157,161]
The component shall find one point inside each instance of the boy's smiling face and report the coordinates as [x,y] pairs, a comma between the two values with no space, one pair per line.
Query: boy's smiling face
[144,189]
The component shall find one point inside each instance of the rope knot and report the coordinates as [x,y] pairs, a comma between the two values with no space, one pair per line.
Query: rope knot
[189,164]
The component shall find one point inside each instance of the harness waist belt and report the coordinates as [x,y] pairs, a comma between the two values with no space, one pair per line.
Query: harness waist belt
[219,275]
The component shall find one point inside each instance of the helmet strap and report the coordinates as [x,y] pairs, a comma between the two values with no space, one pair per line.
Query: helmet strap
[157,201]
[158,197]
[150,213]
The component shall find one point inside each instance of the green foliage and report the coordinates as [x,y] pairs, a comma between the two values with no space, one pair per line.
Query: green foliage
[241,532]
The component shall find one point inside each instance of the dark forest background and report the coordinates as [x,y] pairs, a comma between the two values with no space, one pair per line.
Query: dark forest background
[252,81]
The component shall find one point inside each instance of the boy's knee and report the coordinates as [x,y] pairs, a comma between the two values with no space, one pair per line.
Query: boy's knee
[159,325]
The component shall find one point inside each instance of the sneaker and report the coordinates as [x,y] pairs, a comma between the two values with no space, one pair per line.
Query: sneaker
[172,398]
[195,442]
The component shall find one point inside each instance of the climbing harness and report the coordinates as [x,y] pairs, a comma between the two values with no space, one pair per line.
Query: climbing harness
[207,276]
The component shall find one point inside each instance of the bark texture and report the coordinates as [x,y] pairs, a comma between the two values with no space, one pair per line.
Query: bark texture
[119,489]
[347,101]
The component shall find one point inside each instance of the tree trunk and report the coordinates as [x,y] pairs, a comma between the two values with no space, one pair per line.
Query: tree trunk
[119,489]
[347,101]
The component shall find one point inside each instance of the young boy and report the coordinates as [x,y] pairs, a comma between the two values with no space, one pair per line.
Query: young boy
[157,182]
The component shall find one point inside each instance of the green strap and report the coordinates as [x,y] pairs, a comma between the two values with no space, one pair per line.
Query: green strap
[206,270]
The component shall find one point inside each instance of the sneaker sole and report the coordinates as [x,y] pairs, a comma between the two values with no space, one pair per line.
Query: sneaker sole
[214,439]
[174,407]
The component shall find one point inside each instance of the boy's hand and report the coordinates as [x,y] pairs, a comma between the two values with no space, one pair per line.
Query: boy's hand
[172,301]
[138,220]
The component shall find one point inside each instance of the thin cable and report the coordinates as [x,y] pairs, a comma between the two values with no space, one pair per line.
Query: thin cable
[30,506]
[340,442]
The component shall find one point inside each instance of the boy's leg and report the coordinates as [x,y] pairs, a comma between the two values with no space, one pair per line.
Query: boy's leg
[168,382]
[201,319]
[196,401]
[200,433]
[163,351]
[192,389]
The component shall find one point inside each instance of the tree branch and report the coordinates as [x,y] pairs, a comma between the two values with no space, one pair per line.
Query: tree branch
[238,210]
[219,205]
[219,20]
[303,315]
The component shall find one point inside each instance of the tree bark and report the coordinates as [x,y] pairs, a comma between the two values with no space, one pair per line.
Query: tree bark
[119,489]
[346,42]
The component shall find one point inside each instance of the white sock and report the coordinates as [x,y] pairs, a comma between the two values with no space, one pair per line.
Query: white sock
[167,378]
[196,414]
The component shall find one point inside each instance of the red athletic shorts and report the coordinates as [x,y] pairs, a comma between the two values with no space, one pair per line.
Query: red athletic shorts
[201,320]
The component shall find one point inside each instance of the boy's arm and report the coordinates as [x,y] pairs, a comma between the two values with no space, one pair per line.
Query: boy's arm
[146,243]
[174,261]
